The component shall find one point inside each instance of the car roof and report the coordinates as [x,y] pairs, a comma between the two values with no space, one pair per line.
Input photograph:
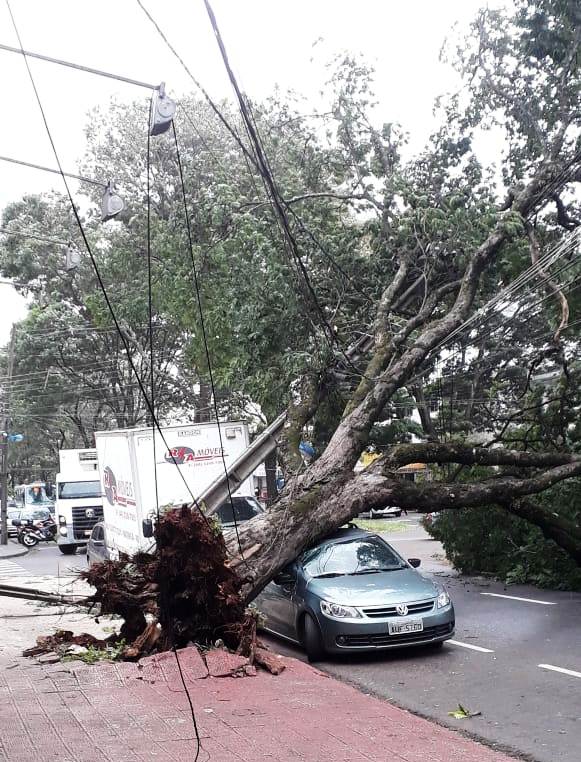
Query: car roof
[349,532]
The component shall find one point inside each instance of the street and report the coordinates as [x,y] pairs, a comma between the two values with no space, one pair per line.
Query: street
[491,666]
[515,658]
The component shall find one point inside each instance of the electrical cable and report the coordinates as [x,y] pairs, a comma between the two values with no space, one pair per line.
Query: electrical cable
[203,331]
[331,337]
[150,308]
[152,379]
[272,191]
[92,258]
[530,307]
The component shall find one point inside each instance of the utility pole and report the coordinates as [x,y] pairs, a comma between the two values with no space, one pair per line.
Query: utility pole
[5,440]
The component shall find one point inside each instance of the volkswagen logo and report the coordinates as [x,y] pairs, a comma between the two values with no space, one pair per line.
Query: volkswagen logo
[90,513]
[401,609]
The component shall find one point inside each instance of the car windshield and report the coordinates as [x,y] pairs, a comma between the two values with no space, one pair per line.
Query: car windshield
[244,508]
[361,555]
[79,489]
[39,515]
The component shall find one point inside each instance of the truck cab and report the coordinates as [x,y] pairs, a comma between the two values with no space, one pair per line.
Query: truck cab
[79,500]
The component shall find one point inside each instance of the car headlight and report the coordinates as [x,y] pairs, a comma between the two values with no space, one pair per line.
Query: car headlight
[336,611]
[443,599]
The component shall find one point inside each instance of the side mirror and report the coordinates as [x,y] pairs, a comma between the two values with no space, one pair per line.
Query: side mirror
[147,528]
[415,562]
[97,543]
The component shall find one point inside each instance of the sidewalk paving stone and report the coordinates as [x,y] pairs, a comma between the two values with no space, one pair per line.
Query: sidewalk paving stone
[109,712]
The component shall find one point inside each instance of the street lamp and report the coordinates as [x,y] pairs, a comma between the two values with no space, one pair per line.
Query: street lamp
[72,255]
[111,202]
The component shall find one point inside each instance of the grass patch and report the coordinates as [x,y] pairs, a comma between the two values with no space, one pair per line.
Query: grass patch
[381,525]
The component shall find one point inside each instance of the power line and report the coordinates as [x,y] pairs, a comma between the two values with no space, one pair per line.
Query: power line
[253,159]
[92,257]
[204,335]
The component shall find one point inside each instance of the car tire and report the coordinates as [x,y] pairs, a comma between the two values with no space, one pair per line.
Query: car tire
[68,550]
[312,639]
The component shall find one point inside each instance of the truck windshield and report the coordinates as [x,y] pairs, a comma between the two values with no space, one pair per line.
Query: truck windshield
[36,495]
[79,489]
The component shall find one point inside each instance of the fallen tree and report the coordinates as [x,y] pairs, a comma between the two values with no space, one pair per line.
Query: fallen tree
[431,293]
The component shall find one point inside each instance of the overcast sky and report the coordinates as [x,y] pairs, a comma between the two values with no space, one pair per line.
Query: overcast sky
[269,42]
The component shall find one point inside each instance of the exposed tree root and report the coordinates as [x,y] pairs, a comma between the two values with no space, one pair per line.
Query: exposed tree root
[182,593]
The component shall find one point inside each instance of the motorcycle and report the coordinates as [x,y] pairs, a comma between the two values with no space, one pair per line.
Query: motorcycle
[30,534]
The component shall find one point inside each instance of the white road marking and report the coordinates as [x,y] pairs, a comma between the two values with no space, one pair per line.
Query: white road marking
[10,569]
[560,669]
[470,646]
[516,598]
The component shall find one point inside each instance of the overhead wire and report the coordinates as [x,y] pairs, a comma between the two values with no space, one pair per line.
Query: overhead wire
[149,402]
[198,294]
[150,306]
[253,159]
[92,256]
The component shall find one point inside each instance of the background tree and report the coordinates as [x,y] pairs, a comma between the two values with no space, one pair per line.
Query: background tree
[397,252]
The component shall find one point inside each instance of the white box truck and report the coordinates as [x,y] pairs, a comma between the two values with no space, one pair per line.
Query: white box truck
[79,501]
[187,462]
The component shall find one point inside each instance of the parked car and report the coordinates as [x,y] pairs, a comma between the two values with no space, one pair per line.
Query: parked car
[243,508]
[354,592]
[13,515]
[97,550]
[382,513]
[19,516]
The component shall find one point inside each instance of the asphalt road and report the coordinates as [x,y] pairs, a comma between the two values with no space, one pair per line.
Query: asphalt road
[492,667]
[525,708]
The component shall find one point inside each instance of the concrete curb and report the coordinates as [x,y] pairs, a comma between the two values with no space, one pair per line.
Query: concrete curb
[12,551]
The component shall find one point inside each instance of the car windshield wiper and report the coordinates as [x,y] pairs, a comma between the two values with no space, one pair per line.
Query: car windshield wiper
[327,575]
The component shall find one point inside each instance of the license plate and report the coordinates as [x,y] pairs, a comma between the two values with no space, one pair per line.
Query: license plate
[403,627]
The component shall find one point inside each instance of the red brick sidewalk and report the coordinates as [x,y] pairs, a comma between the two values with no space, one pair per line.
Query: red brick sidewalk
[124,713]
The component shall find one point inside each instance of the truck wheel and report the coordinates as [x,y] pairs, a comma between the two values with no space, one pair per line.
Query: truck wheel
[68,550]
[312,640]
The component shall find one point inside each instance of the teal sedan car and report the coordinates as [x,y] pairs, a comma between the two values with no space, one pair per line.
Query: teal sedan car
[354,592]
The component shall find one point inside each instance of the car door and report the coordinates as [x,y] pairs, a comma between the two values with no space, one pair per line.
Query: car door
[278,602]
[96,547]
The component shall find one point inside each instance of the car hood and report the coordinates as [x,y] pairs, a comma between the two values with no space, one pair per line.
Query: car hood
[383,588]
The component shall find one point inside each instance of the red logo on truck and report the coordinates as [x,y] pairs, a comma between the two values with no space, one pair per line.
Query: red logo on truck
[181,455]
[117,492]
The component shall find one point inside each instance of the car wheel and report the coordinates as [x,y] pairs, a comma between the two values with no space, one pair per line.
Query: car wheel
[312,639]
[68,550]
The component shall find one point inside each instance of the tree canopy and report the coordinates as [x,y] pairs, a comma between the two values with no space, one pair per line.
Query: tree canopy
[399,254]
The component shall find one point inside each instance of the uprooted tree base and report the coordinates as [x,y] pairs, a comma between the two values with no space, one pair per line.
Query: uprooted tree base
[182,593]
